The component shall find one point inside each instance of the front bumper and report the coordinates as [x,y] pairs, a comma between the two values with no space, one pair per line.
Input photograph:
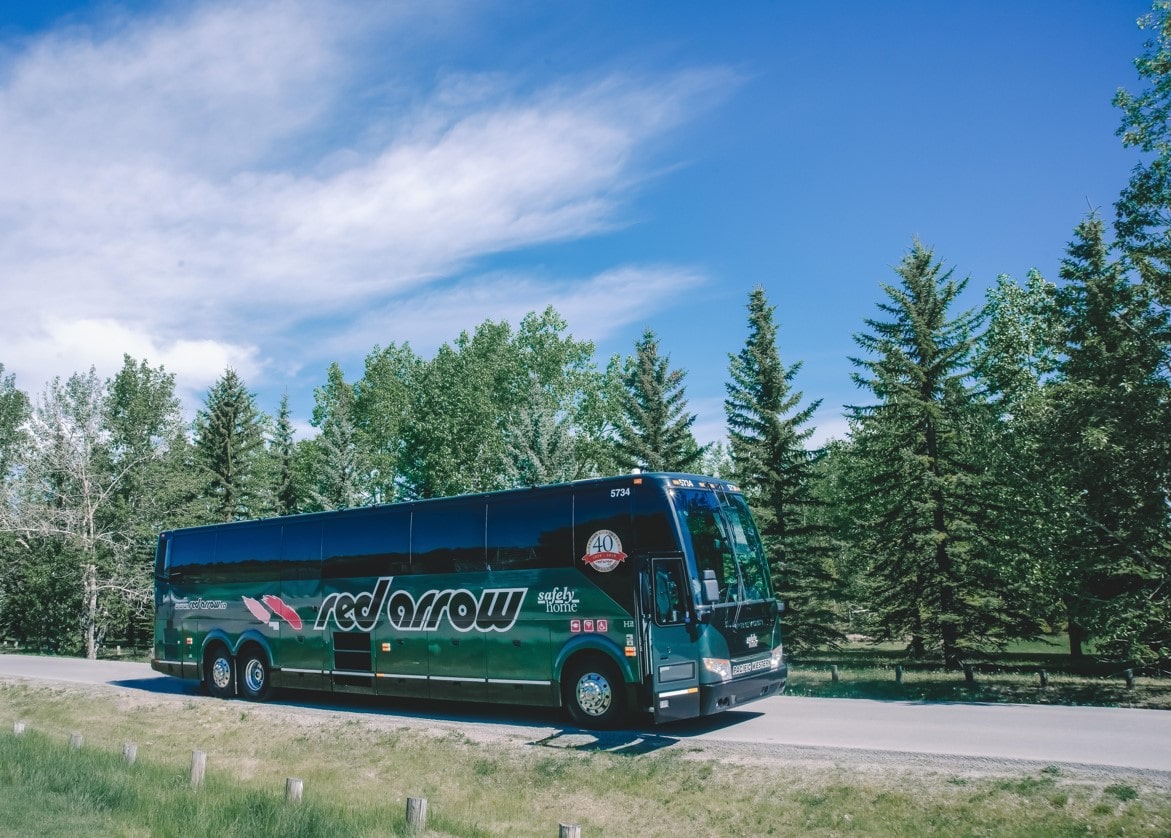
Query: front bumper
[715,698]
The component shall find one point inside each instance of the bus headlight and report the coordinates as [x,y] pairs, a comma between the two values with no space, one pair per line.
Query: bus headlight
[778,655]
[719,666]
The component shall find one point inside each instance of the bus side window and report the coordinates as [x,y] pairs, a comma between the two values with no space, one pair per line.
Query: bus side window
[192,556]
[527,531]
[448,538]
[668,592]
[373,543]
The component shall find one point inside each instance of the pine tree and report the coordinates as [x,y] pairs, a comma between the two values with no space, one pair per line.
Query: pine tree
[654,430]
[339,464]
[286,490]
[922,507]
[1108,446]
[768,437]
[229,444]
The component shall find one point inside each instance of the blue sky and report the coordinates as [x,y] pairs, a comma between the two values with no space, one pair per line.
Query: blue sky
[278,185]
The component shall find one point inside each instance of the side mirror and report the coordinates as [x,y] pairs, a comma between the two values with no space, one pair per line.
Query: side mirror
[711,588]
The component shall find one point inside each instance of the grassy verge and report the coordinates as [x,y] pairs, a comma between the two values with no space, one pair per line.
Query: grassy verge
[358,770]
[989,686]
[868,671]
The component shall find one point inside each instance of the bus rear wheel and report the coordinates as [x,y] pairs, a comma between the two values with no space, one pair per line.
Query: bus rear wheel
[219,673]
[255,683]
[595,693]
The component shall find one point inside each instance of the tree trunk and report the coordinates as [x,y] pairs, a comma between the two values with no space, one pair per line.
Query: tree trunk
[90,609]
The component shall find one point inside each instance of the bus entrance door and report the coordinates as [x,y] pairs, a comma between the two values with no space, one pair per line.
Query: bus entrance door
[675,675]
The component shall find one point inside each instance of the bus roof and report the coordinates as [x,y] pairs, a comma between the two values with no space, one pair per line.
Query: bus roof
[670,479]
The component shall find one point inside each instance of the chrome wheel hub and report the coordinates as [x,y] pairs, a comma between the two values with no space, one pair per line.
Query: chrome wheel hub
[254,675]
[593,694]
[221,673]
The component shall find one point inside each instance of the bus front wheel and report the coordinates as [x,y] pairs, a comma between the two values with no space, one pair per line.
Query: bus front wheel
[255,682]
[219,672]
[595,693]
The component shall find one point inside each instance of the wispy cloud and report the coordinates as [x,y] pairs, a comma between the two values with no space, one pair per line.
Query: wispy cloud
[192,187]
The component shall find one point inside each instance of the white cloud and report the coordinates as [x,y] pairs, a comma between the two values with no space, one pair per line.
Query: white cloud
[594,307]
[58,347]
[184,185]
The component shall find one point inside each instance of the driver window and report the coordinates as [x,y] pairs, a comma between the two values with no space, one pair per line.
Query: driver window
[668,592]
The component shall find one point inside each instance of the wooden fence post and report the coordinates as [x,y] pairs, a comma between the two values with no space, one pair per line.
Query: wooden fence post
[569,830]
[198,766]
[1044,676]
[293,789]
[416,814]
[129,752]
[833,673]
[75,741]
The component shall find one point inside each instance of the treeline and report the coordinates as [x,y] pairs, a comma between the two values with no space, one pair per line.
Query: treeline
[1006,472]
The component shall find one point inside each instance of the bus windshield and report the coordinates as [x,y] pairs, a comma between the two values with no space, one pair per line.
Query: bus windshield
[724,539]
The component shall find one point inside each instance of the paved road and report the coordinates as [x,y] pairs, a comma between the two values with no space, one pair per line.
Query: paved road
[1102,736]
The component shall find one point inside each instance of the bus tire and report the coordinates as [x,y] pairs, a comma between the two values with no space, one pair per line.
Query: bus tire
[219,672]
[594,692]
[255,675]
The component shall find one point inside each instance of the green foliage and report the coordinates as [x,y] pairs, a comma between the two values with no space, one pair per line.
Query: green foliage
[287,491]
[382,404]
[653,431]
[340,472]
[229,446]
[768,437]
[14,410]
[500,408]
[1107,445]
[925,505]
[1143,221]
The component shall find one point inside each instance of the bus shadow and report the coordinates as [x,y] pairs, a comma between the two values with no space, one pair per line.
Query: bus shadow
[639,741]
[162,685]
[642,737]
[628,743]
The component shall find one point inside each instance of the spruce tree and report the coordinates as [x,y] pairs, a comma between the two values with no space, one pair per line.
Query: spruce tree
[1108,445]
[229,444]
[653,432]
[767,435]
[286,491]
[921,504]
[339,464]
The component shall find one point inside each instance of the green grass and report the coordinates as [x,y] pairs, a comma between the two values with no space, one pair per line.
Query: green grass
[359,769]
[868,671]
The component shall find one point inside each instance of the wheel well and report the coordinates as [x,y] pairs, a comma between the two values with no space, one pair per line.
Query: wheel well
[253,646]
[582,658]
[211,648]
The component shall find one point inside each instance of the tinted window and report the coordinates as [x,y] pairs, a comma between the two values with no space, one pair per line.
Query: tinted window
[247,554]
[370,543]
[530,530]
[654,520]
[448,538]
[668,591]
[192,555]
[301,550]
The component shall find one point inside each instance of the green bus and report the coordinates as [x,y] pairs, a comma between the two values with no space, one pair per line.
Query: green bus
[611,596]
